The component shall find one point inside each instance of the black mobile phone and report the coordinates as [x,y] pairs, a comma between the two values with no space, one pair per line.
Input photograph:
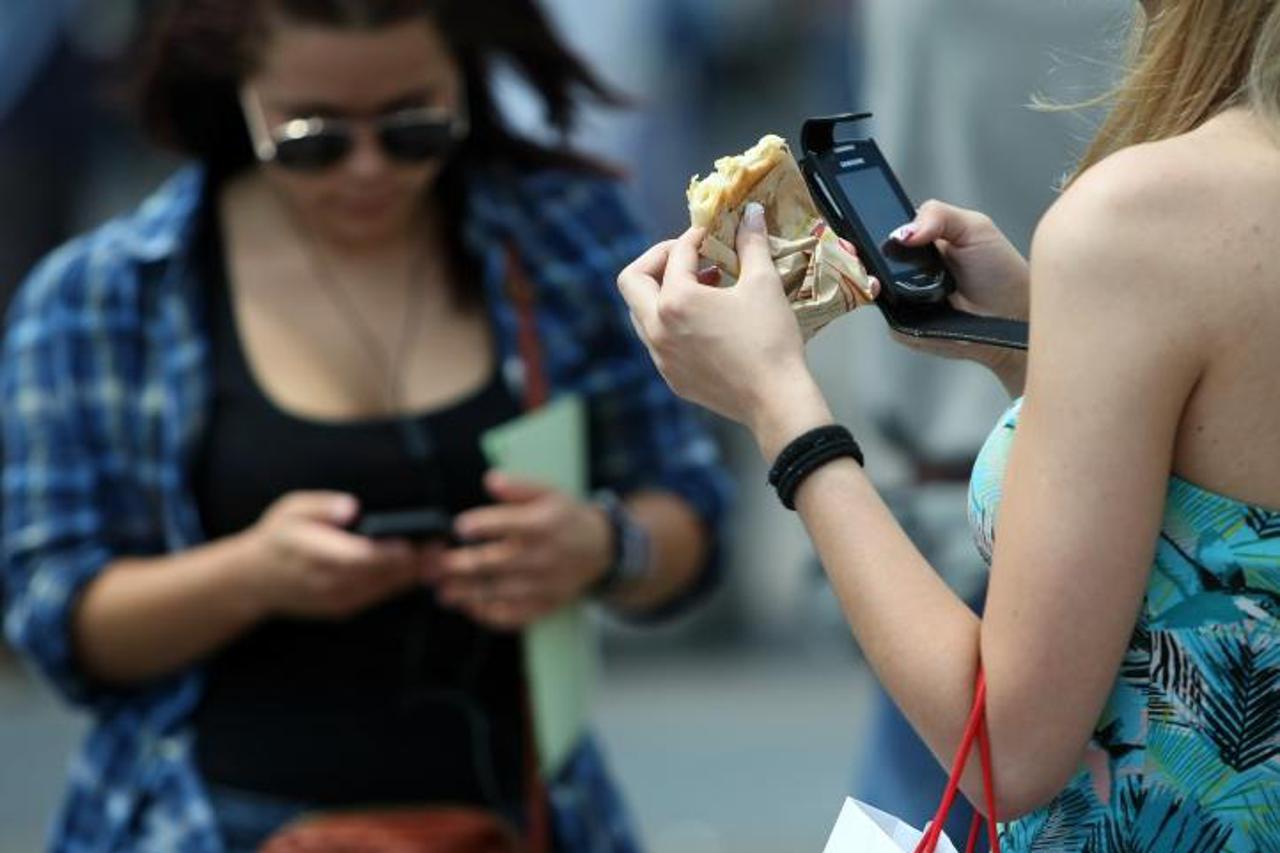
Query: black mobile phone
[863,202]
[422,524]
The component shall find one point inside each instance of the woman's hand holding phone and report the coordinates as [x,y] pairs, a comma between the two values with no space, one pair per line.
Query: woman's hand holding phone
[992,279]
[303,562]
[529,554]
[532,552]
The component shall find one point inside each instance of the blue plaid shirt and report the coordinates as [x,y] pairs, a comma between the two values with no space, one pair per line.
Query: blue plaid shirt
[106,388]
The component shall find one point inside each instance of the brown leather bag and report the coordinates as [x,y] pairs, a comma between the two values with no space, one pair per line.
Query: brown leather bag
[440,829]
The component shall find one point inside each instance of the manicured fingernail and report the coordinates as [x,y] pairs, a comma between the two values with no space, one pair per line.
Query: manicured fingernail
[903,234]
[753,218]
[344,508]
[709,276]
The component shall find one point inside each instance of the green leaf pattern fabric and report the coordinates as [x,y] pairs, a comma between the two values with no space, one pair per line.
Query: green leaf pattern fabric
[1186,755]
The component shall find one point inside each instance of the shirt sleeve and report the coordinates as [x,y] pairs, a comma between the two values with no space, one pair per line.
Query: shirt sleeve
[643,437]
[55,536]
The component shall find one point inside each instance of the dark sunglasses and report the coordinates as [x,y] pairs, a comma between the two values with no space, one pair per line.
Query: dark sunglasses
[413,135]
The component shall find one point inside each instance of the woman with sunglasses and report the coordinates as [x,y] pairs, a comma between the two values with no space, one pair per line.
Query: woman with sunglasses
[1127,503]
[365,272]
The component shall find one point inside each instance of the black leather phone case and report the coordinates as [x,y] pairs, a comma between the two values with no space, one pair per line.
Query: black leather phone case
[948,322]
[937,320]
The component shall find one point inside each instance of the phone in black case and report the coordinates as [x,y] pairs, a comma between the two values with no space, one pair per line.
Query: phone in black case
[863,201]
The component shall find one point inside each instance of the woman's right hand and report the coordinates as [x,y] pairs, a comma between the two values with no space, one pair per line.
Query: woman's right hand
[302,562]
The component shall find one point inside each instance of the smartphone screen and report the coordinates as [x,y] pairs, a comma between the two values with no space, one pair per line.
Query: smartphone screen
[882,213]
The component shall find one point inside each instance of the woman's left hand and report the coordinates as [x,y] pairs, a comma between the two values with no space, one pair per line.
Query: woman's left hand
[737,350]
[535,550]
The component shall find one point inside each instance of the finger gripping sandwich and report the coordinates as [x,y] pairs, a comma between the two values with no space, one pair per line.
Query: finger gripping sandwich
[821,273]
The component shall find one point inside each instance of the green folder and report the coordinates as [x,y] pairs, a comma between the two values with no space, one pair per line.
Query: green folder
[549,446]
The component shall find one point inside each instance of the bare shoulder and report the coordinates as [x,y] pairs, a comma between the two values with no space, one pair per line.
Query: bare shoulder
[1110,238]
[1180,226]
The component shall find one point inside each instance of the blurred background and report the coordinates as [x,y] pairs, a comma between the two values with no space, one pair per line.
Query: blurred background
[743,727]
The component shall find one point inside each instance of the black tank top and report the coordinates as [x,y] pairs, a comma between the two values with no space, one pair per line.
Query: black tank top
[407,702]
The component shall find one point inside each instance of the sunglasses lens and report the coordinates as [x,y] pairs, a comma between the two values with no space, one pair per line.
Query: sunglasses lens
[417,141]
[314,151]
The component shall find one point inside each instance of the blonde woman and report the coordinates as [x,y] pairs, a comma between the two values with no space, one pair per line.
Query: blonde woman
[1131,642]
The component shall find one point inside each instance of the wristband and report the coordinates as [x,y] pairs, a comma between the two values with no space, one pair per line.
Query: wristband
[807,454]
[632,548]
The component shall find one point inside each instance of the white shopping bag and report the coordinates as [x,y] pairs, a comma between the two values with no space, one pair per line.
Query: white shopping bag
[865,829]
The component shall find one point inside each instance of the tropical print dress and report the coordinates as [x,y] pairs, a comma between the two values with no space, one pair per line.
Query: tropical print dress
[1186,755]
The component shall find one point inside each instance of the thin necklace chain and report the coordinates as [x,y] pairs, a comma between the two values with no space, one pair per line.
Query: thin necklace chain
[390,364]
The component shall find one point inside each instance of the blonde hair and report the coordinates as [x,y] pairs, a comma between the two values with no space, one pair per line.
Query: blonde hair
[1191,60]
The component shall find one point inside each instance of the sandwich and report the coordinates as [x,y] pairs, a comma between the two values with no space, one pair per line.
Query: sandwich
[821,273]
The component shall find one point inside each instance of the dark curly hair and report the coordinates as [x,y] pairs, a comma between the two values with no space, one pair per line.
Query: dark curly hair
[198,51]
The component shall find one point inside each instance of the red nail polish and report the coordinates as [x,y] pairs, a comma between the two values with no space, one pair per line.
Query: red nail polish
[709,276]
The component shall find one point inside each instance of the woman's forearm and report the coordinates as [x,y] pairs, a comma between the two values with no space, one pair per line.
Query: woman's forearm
[143,619]
[679,547]
[919,637]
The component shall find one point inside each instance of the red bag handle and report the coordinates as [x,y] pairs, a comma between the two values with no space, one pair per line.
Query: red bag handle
[520,289]
[975,730]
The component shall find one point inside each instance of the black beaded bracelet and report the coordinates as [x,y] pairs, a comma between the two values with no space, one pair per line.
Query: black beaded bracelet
[807,454]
